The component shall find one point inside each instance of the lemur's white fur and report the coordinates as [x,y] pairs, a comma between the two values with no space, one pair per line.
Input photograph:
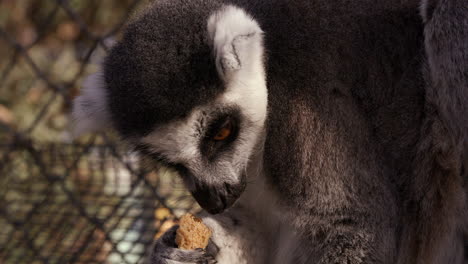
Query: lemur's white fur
[90,110]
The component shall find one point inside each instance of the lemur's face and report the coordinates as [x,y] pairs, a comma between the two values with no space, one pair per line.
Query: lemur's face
[187,89]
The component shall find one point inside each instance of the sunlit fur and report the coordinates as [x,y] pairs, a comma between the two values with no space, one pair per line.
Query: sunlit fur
[90,110]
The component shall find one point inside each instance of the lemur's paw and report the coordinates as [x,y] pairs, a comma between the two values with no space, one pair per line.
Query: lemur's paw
[165,251]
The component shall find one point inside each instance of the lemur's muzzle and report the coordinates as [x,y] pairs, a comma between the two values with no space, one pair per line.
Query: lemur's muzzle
[216,199]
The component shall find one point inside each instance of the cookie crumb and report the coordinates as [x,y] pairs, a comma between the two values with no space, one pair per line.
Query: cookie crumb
[192,233]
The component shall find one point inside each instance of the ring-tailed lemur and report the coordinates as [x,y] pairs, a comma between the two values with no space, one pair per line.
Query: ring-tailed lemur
[311,131]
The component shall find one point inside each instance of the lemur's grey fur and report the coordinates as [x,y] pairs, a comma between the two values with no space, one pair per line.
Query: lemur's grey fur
[362,156]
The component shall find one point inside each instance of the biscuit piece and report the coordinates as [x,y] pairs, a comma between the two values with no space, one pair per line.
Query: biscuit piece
[192,233]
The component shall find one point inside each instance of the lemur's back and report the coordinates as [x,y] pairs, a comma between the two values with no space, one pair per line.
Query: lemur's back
[370,113]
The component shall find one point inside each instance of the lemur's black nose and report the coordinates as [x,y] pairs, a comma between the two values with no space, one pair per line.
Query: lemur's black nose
[216,199]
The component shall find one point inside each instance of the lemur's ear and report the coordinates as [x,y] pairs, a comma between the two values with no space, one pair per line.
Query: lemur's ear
[90,110]
[237,41]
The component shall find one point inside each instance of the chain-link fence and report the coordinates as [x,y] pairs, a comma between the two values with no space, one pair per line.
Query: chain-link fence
[64,201]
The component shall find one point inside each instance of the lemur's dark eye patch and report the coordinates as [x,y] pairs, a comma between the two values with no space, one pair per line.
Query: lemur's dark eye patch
[219,134]
[224,131]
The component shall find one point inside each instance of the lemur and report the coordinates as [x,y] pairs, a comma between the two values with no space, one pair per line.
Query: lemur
[317,131]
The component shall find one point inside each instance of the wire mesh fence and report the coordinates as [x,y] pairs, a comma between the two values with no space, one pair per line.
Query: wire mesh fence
[64,201]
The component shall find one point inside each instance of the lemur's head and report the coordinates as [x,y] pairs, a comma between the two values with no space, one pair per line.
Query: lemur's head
[185,86]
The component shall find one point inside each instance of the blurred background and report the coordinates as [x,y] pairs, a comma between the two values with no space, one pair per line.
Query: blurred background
[88,200]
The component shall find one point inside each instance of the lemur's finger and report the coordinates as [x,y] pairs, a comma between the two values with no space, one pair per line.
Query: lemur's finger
[212,249]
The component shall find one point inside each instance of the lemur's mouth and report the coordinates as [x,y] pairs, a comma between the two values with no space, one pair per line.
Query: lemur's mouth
[216,199]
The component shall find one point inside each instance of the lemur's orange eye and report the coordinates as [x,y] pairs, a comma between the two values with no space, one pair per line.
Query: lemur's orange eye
[224,132]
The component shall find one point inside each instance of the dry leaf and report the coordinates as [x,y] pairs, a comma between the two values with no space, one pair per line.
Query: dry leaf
[162,213]
[68,31]
[6,116]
